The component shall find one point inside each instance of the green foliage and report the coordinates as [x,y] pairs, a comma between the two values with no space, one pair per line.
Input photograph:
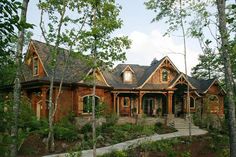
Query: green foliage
[27,121]
[116,154]
[112,119]
[209,66]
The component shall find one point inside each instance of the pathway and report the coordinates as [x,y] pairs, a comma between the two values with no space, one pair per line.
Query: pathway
[125,145]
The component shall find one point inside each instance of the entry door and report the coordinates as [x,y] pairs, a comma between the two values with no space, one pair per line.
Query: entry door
[148,106]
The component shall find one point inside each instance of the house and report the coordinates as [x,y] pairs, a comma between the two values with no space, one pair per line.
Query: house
[128,89]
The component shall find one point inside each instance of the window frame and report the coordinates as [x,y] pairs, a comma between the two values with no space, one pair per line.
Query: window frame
[125,75]
[164,70]
[89,98]
[35,63]
[192,98]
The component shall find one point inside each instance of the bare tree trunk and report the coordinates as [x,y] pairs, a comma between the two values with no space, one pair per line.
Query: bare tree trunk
[17,86]
[186,71]
[228,75]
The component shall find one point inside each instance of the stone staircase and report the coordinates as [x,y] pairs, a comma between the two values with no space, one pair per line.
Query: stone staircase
[180,123]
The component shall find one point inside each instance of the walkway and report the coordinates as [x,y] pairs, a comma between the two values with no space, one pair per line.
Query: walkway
[125,145]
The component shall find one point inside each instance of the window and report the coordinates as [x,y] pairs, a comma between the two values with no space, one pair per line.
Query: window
[164,75]
[126,101]
[213,98]
[192,102]
[35,66]
[87,103]
[127,76]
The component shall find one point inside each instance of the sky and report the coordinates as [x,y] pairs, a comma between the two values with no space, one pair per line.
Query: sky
[147,38]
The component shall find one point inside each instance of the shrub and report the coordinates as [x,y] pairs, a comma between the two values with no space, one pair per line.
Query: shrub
[112,119]
[86,128]
[63,133]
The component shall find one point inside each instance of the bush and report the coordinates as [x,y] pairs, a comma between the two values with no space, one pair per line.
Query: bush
[86,128]
[112,119]
[63,133]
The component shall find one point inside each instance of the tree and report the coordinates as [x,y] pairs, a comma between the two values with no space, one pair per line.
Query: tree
[209,66]
[17,86]
[154,61]
[229,80]
[62,31]
[97,40]
[175,14]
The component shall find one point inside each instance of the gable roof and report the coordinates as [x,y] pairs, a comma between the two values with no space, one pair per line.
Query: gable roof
[152,70]
[202,85]
[75,71]
[181,75]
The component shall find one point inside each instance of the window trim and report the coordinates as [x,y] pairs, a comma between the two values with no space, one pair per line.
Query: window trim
[35,59]
[125,76]
[194,103]
[167,72]
[127,103]
[88,113]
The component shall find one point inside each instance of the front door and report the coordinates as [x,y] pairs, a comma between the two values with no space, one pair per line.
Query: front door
[148,106]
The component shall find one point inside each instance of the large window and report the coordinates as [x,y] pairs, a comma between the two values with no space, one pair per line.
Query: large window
[164,75]
[35,66]
[87,103]
[127,76]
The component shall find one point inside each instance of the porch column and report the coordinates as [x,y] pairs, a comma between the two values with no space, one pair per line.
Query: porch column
[43,112]
[114,102]
[140,103]
[118,106]
[169,100]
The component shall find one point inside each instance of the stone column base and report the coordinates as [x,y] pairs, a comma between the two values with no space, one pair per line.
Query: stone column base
[169,121]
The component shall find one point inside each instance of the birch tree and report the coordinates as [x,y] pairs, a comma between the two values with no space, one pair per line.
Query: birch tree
[17,86]
[61,30]
[174,13]
[99,42]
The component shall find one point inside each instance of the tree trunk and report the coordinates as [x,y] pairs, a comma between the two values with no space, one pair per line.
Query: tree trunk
[17,86]
[228,75]
[50,139]
[93,114]
[186,71]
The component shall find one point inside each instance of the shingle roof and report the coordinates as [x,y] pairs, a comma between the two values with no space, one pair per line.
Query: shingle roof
[75,71]
[200,84]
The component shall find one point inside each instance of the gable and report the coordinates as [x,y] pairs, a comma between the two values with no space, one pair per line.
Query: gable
[215,88]
[29,59]
[181,79]
[100,78]
[155,76]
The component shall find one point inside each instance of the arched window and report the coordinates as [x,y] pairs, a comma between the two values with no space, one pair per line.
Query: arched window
[213,98]
[192,102]
[164,75]
[87,103]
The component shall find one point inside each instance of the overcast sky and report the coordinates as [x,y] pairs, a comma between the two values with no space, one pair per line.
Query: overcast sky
[147,38]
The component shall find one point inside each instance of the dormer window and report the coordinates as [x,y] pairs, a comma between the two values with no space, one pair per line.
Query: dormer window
[35,66]
[164,75]
[127,77]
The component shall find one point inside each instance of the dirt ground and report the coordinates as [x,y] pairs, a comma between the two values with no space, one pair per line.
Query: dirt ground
[34,147]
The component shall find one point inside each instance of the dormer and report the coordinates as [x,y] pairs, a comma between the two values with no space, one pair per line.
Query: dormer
[127,74]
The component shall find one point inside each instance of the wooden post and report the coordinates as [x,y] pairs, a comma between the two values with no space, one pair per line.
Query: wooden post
[114,102]
[44,103]
[140,103]
[118,106]
[169,100]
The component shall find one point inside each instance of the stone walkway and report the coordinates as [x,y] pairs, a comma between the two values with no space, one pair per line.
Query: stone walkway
[125,145]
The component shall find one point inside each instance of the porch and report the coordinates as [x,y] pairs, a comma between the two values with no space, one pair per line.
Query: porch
[171,103]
